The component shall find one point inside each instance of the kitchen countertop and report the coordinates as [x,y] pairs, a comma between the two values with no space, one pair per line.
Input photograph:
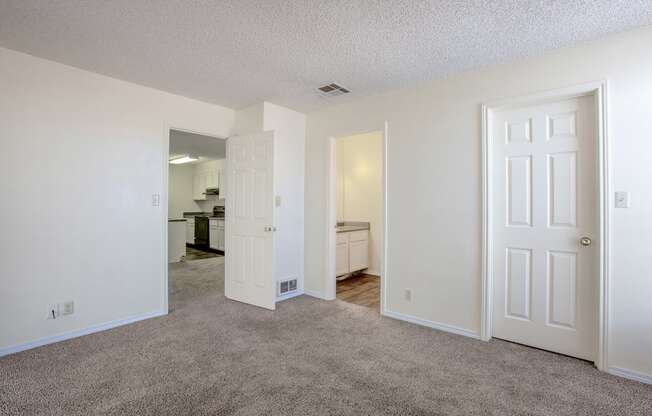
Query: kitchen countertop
[202,214]
[194,214]
[177,220]
[348,226]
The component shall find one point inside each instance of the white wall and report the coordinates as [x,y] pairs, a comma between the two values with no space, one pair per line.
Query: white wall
[289,166]
[250,119]
[289,169]
[83,155]
[180,191]
[359,179]
[434,183]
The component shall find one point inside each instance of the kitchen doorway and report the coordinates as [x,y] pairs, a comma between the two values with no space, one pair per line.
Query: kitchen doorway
[196,215]
[356,219]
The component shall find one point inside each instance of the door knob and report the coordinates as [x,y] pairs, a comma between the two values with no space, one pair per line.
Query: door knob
[585,241]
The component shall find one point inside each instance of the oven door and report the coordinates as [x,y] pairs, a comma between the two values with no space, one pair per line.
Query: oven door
[201,231]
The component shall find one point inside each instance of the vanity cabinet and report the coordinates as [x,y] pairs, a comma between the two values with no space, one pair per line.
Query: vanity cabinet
[351,252]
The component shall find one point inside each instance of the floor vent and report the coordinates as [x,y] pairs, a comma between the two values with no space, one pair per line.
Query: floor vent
[332,90]
[287,286]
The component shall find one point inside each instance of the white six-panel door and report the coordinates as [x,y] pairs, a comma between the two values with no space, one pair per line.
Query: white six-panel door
[544,204]
[249,220]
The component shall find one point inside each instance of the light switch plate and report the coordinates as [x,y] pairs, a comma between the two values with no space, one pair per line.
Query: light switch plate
[53,311]
[156,200]
[622,199]
[277,201]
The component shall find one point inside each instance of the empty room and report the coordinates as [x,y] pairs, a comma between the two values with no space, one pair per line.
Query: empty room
[326,207]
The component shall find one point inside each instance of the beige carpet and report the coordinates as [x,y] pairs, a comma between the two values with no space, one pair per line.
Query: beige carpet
[212,356]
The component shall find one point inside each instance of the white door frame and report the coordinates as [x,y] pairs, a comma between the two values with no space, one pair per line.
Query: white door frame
[599,91]
[164,201]
[329,283]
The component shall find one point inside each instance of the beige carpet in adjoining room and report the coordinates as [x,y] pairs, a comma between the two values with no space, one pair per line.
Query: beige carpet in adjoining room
[213,356]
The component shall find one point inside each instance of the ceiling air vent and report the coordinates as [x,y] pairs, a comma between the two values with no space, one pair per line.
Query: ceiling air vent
[332,90]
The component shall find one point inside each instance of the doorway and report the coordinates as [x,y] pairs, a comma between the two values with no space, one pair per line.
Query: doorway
[196,215]
[234,175]
[545,219]
[356,226]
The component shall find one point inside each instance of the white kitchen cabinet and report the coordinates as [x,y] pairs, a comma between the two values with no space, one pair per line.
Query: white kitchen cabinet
[213,234]
[221,237]
[211,179]
[208,175]
[351,252]
[190,230]
[216,234]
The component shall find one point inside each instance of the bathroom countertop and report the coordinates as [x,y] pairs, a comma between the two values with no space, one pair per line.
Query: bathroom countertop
[349,226]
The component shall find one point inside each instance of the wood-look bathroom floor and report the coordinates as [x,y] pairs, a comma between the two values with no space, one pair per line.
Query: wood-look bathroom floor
[362,289]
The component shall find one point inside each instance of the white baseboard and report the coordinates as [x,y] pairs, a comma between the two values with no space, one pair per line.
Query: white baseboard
[78,333]
[630,374]
[289,296]
[315,294]
[431,324]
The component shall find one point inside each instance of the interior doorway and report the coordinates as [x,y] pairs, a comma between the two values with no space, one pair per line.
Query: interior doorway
[196,214]
[546,218]
[226,216]
[356,225]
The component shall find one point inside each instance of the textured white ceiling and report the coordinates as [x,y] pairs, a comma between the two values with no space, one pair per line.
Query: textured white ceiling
[236,53]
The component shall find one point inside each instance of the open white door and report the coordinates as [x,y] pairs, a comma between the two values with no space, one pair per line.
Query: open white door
[249,219]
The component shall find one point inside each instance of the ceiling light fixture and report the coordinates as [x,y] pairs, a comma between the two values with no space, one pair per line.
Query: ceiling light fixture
[183,159]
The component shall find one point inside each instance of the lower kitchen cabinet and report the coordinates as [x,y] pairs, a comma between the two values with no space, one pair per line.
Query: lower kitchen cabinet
[216,234]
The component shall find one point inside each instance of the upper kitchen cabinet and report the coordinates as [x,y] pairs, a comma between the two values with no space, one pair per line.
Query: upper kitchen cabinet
[208,175]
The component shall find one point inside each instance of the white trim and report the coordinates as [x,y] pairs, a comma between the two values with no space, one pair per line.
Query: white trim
[599,91]
[431,324]
[630,374]
[315,294]
[328,282]
[80,332]
[384,276]
[331,221]
[164,203]
[289,295]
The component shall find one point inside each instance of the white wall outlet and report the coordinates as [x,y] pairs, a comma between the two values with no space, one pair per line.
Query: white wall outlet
[277,201]
[622,199]
[53,311]
[68,308]
[156,200]
[408,294]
